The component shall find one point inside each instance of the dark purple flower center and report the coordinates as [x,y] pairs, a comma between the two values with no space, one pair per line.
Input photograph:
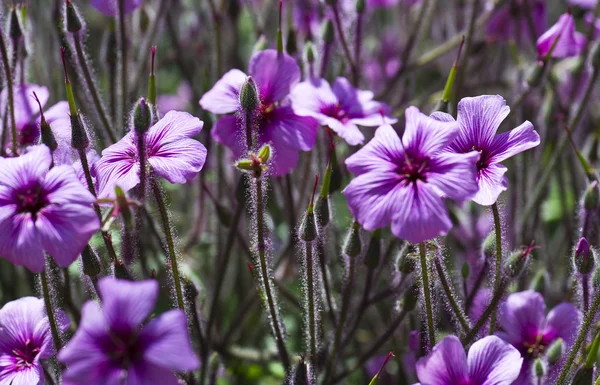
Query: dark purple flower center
[336,111]
[413,170]
[535,345]
[29,134]
[25,355]
[124,348]
[30,200]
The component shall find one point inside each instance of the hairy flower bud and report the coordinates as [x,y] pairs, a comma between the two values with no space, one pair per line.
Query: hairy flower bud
[591,198]
[249,99]
[300,374]
[72,17]
[322,210]
[405,261]
[142,116]
[583,376]
[291,45]
[555,352]
[465,270]
[14,28]
[373,250]
[360,6]
[539,281]
[308,227]
[584,257]
[121,270]
[90,262]
[309,52]
[79,138]
[261,44]
[410,299]
[352,245]
[327,32]
[264,154]
[518,260]
[538,368]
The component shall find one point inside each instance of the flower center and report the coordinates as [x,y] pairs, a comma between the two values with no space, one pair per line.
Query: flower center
[31,200]
[29,134]
[535,347]
[124,348]
[336,111]
[25,355]
[413,170]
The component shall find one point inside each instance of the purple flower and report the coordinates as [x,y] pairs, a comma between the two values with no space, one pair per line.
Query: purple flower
[178,102]
[114,345]
[510,21]
[403,181]
[570,42]
[479,118]
[26,111]
[383,61]
[111,7]
[341,107]
[587,4]
[490,361]
[43,210]
[171,152]
[25,338]
[278,123]
[527,328]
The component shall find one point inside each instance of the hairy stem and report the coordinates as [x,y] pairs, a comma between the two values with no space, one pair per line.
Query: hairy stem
[458,312]
[427,295]
[9,88]
[498,268]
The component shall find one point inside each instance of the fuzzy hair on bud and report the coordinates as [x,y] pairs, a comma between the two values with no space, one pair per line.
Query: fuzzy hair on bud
[73,21]
[142,116]
[353,245]
[327,32]
[583,257]
[249,99]
[591,198]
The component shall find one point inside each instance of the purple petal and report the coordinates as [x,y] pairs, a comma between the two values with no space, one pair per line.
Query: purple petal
[492,182]
[383,153]
[446,364]
[111,7]
[62,186]
[24,104]
[168,342]
[226,131]
[425,135]
[311,97]
[522,317]
[349,131]
[515,141]
[173,126]
[25,169]
[223,98]
[479,119]
[274,75]
[284,160]
[493,362]
[118,167]
[20,244]
[145,373]
[455,175]
[587,4]
[127,303]
[563,321]
[180,161]
[570,42]
[285,128]
[33,375]
[58,118]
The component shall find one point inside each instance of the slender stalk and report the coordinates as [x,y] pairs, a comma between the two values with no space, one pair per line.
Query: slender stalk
[325,59]
[9,88]
[142,159]
[357,47]
[123,42]
[427,295]
[468,42]
[164,215]
[498,268]
[486,313]
[458,312]
[50,311]
[325,277]
[585,287]
[581,337]
[312,319]
[342,37]
[87,75]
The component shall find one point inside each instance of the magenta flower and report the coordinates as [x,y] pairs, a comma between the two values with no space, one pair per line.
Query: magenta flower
[171,152]
[114,345]
[278,123]
[27,120]
[490,361]
[510,21]
[479,118]
[570,42]
[341,107]
[403,181]
[25,339]
[527,328]
[43,210]
[177,102]
[111,7]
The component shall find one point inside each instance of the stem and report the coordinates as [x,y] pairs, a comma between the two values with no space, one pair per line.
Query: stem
[50,311]
[581,337]
[325,59]
[87,75]
[498,269]
[312,320]
[123,39]
[357,47]
[427,295]
[142,155]
[340,30]
[164,215]
[458,312]
[325,277]
[462,67]
[9,86]
[486,313]
[585,284]
[274,315]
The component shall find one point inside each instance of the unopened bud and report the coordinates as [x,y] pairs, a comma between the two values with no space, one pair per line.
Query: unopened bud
[309,52]
[539,369]
[264,154]
[555,352]
[410,299]
[90,262]
[291,45]
[189,288]
[322,210]
[308,227]
[583,376]
[14,28]
[596,55]
[360,6]
[245,165]
[591,197]
[249,99]
[142,116]
[353,246]
[489,245]
[465,270]
[121,270]
[327,32]
[79,138]
[373,250]
[336,174]
[406,262]
[73,19]
[517,261]
[584,257]
[214,362]
[539,281]
[261,44]
[300,375]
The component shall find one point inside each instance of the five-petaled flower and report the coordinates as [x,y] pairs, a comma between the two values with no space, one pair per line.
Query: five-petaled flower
[114,345]
[479,118]
[278,123]
[569,42]
[404,181]
[340,107]
[42,209]
[171,152]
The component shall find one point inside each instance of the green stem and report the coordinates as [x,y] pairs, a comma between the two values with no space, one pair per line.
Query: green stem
[581,337]
[87,75]
[9,87]
[498,269]
[486,313]
[427,295]
[50,311]
[312,320]
[458,312]
[164,216]
[123,40]
[260,236]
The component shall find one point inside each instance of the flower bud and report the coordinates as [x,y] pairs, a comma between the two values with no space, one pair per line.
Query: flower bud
[596,55]
[465,270]
[264,154]
[142,116]
[14,28]
[90,262]
[410,299]
[373,250]
[538,368]
[327,32]
[360,6]
[322,210]
[121,270]
[584,257]
[79,138]
[591,198]
[583,376]
[308,227]
[245,165]
[539,281]
[517,261]
[555,351]
[249,99]
[300,375]
[596,279]
[336,174]
[405,261]
[73,20]
[261,44]
[291,45]
[352,245]
[309,52]
[189,288]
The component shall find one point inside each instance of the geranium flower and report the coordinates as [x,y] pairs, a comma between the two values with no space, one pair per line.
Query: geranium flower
[403,181]
[479,118]
[278,123]
[25,339]
[43,210]
[114,346]
[341,107]
[27,120]
[171,152]
[490,361]
[570,42]
[510,21]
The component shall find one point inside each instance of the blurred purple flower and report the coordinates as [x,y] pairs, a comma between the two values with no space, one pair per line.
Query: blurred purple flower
[111,7]
[490,361]
[403,181]
[479,118]
[510,21]
[384,61]
[341,107]
[306,17]
[177,102]
[171,152]
[26,112]
[114,346]
[25,339]
[570,42]
[587,4]
[278,122]
[43,210]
